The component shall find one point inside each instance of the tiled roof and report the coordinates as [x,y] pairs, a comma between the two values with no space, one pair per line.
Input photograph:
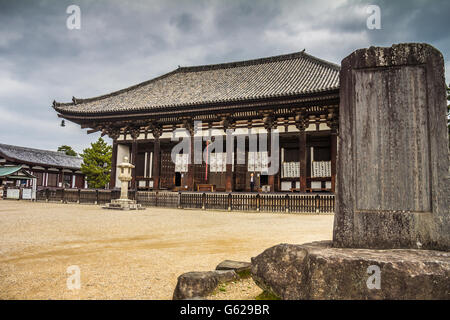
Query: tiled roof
[279,76]
[40,157]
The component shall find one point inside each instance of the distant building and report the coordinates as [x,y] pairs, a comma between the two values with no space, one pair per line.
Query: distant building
[51,168]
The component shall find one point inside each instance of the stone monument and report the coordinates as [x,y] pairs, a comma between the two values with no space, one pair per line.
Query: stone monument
[393,196]
[123,203]
[392,166]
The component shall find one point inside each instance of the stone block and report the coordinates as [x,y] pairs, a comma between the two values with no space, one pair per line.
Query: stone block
[393,186]
[195,284]
[240,267]
[201,283]
[319,271]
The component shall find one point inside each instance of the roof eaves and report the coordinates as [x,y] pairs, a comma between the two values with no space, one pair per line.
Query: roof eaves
[197,104]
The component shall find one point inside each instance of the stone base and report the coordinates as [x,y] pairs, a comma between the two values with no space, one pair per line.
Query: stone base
[243,269]
[319,271]
[198,284]
[123,204]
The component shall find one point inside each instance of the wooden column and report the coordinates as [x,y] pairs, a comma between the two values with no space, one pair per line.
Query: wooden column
[302,122]
[191,165]
[61,178]
[147,172]
[333,142]
[156,162]
[134,150]
[229,165]
[302,159]
[271,179]
[112,176]
[270,123]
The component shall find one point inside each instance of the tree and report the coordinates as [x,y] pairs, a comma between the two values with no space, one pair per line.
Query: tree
[67,150]
[97,163]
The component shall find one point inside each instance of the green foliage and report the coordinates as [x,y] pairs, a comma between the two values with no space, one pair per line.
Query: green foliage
[67,150]
[97,163]
[244,274]
[265,295]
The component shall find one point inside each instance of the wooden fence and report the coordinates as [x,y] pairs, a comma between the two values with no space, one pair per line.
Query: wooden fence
[88,196]
[231,201]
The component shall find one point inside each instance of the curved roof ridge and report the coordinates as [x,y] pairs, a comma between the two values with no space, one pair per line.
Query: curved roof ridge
[322,61]
[226,65]
[243,63]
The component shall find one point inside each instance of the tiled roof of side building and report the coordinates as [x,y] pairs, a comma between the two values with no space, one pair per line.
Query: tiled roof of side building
[40,157]
[286,75]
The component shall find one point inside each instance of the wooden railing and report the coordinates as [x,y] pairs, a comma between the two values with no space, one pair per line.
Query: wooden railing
[244,201]
[231,201]
[193,200]
[273,202]
[217,200]
[87,196]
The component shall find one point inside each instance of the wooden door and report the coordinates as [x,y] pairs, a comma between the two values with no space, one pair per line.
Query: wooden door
[167,173]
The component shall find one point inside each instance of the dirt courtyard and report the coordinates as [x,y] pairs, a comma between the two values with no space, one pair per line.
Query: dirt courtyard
[129,254]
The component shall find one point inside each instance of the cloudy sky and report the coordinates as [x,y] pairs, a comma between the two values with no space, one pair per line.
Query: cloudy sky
[122,43]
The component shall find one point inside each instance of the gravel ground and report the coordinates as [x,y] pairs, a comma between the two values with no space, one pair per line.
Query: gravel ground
[134,254]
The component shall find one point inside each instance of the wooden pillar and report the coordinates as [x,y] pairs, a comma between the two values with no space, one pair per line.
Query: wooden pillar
[112,177]
[229,165]
[271,179]
[302,159]
[147,170]
[156,162]
[134,150]
[61,178]
[191,165]
[333,142]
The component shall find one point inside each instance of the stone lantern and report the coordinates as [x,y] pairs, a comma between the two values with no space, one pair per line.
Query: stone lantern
[125,177]
[123,203]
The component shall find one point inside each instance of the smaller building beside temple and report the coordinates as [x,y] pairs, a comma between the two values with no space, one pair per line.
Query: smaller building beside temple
[50,168]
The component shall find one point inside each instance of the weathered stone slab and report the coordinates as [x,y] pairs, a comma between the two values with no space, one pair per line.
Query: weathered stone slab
[319,271]
[194,285]
[226,275]
[393,186]
[238,266]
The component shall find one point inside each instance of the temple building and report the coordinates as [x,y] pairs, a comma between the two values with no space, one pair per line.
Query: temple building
[50,168]
[295,95]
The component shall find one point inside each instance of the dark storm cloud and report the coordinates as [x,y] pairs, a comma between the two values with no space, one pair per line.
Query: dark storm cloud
[121,43]
[185,22]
